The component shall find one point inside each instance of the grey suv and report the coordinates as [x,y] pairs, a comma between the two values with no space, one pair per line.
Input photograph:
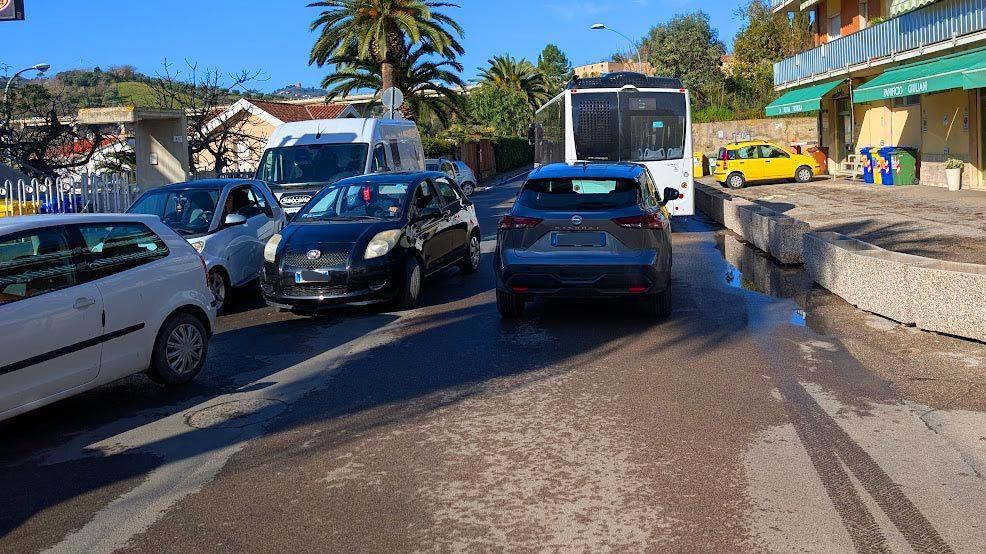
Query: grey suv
[586,231]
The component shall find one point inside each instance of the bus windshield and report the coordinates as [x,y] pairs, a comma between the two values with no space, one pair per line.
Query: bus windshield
[629,126]
[317,163]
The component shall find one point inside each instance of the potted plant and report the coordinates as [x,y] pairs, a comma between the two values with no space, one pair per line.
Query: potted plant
[953,173]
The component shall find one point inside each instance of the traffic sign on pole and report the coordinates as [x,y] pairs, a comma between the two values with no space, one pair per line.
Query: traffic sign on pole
[392,99]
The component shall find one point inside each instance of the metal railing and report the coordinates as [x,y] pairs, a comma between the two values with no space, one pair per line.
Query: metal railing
[89,194]
[941,22]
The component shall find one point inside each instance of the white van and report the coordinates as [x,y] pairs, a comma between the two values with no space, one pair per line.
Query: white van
[304,156]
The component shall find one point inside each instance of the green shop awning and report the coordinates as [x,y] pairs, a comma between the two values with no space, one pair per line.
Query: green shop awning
[801,100]
[934,75]
[898,7]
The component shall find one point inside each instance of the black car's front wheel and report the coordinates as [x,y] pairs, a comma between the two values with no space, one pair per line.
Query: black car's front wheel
[411,287]
[474,255]
[510,305]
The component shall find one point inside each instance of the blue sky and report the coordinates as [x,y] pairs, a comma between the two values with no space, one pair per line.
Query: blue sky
[273,36]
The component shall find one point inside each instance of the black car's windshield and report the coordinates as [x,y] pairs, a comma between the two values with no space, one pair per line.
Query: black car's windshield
[317,163]
[355,202]
[189,211]
[580,194]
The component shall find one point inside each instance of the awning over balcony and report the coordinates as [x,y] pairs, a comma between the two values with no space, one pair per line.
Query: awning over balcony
[963,70]
[801,100]
[898,7]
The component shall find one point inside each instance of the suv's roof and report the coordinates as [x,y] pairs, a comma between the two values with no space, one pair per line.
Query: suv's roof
[622,170]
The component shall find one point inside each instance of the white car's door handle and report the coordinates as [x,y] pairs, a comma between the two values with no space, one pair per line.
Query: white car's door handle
[83,303]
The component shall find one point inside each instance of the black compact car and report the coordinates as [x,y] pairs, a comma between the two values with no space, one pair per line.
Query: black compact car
[371,238]
[586,231]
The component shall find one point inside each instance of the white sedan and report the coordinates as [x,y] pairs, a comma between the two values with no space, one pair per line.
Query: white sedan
[89,299]
[228,221]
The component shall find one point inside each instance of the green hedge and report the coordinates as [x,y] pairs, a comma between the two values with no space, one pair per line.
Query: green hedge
[512,153]
[439,148]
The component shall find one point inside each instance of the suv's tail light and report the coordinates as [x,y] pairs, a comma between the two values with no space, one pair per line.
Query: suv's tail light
[648,221]
[515,222]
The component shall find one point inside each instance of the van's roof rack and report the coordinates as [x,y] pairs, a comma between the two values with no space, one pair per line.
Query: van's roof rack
[621,79]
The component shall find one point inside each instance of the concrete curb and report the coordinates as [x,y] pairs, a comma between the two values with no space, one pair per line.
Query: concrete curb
[934,295]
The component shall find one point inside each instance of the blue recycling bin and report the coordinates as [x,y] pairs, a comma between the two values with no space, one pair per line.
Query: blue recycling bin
[867,164]
[886,167]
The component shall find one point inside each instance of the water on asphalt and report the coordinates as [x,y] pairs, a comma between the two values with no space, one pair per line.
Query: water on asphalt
[764,415]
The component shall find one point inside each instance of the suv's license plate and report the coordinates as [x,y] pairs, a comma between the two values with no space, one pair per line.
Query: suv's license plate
[583,239]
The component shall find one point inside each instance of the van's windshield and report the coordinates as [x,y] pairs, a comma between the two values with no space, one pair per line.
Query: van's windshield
[316,163]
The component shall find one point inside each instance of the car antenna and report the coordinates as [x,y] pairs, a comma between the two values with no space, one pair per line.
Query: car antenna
[318,132]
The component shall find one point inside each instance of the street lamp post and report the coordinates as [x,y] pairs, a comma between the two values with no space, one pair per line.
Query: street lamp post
[640,63]
[40,68]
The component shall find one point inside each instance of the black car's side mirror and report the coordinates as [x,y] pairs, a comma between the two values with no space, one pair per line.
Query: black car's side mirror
[670,194]
[427,214]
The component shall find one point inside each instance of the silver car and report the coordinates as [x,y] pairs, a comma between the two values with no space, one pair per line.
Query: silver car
[456,169]
[228,221]
[586,231]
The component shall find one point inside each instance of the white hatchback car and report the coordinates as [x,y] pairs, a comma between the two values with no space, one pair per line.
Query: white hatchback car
[456,169]
[228,221]
[89,299]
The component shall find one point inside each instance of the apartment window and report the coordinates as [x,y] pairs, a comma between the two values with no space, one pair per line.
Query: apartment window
[835,26]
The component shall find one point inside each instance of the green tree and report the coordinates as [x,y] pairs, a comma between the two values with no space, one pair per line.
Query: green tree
[382,31]
[689,48]
[765,38]
[512,75]
[432,87]
[555,68]
[506,111]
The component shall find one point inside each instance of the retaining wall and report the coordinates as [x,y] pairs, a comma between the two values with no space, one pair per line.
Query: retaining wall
[934,295]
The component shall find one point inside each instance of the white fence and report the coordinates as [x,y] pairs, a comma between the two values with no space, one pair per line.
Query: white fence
[89,194]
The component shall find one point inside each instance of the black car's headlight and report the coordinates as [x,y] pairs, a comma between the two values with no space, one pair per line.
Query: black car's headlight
[382,243]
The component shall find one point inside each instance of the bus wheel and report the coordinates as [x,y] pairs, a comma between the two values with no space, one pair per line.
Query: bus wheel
[736,181]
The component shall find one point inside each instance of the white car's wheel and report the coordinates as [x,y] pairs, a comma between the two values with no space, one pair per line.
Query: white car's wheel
[468,188]
[180,350]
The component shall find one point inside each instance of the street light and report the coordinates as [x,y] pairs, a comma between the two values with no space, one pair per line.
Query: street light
[40,68]
[601,27]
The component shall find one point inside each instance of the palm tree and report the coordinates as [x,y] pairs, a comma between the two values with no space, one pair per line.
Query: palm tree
[431,84]
[508,73]
[382,31]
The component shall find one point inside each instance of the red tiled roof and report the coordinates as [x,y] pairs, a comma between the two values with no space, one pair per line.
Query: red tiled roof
[326,111]
[299,112]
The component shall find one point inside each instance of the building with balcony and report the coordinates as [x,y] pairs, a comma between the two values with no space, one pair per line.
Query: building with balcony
[892,73]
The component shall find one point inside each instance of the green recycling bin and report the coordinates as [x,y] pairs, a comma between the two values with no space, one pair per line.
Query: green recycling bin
[904,164]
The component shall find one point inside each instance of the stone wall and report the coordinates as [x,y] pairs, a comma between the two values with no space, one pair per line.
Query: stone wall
[709,137]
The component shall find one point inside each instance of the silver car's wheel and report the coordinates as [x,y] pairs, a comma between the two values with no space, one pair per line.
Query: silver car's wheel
[185,349]
[219,288]
[468,189]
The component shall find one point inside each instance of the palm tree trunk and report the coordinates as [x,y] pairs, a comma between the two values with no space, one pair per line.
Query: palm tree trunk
[386,75]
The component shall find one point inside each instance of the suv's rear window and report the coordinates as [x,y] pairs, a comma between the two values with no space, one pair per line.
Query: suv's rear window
[580,194]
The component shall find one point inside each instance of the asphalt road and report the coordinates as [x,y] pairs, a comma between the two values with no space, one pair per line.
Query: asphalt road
[765,415]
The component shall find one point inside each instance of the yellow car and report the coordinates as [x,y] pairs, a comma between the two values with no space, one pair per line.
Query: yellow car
[750,161]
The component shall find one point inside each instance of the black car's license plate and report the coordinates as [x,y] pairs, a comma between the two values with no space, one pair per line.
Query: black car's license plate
[583,239]
[321,277]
